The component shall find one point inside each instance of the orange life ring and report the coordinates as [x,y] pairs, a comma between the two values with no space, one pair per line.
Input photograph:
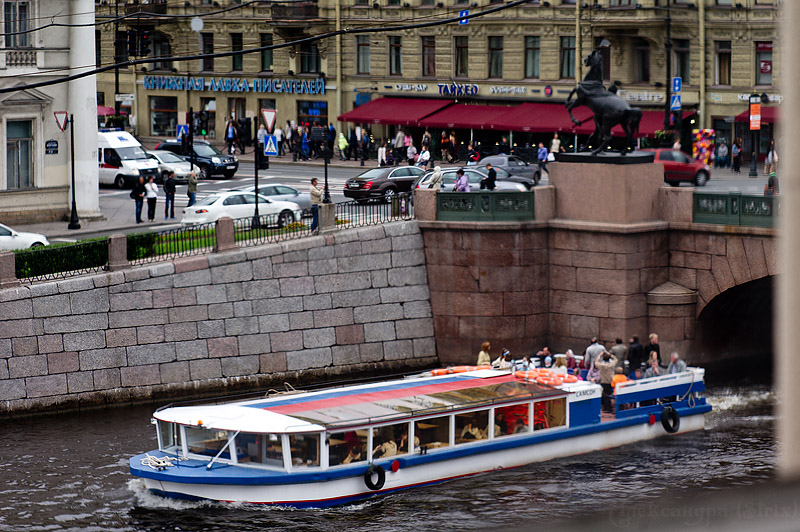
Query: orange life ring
[530,375]
[457,369]
[570,378]
[439,372]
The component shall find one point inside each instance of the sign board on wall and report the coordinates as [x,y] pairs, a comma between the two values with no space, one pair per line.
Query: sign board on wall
[51,147]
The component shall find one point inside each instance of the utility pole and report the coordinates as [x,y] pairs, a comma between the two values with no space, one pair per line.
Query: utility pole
[668,46]
[117,56]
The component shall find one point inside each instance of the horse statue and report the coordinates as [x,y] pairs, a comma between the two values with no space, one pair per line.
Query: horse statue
[608,108]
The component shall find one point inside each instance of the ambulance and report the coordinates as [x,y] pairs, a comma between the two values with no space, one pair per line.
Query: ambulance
[122,159]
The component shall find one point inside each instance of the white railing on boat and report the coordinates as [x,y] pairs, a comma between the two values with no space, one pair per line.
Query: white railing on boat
[662,381]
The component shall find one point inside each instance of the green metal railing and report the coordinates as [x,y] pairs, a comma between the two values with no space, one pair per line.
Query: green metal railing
[484,206]
[735,208]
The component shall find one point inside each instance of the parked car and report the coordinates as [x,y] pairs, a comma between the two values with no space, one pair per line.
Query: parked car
[679,167]
[514,165]
[169,162]
[239,205]
[474,175]
[280,192]
[11,239]
[210,160]
[381,183]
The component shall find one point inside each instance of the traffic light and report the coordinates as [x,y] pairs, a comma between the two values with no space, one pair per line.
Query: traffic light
[144,44]
[203,123]
[133,45]
[196,125]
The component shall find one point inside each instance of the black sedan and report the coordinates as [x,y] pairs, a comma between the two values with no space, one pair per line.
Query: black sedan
[381,183]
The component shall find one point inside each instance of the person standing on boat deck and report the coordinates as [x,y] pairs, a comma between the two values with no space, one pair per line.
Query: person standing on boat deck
[635,353]
[676,365]
[483,357]
[620,350]
[606,363]
[653,346]
[593,351]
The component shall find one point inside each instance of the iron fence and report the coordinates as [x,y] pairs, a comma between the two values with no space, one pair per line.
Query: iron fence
[270,228]
[735,208]
[359,213]
[61,260]
[485,206]
[159,246]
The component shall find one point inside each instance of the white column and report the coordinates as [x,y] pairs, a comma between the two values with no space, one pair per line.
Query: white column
[82,102]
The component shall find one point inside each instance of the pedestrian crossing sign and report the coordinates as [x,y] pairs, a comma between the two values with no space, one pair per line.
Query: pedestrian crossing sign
[270,146]
[675,103]
[183,130]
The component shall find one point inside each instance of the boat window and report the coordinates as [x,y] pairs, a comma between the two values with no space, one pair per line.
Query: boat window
[347,447]
[259,449]
[472,426]
[390,440]
[511,420]
[549,414]
[207,441]
[170,435]
[305,449]
[433,432]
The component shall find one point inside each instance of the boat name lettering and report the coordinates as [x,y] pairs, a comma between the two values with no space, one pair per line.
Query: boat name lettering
[585,393]
[457,89]
[271,85]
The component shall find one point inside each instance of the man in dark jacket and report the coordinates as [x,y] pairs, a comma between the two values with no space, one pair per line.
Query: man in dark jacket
[635,353]
[169,194]
[653,346]
[488,182]
[138,193]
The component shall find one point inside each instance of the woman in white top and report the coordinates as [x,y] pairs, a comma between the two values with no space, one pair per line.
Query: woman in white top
[152,196]
[555,144]
[436,178]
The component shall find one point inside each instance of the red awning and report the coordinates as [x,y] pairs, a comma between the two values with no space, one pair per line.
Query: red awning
[394,111]
[539,118]
[103,110]
[769,115]
[467,116]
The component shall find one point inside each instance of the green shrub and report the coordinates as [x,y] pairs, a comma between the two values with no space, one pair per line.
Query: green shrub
[141,245]
[61,258]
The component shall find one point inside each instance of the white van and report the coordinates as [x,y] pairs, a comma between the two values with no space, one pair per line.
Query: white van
[122,159]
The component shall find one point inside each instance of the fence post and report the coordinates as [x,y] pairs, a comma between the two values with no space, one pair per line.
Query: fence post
[8,270]
[225,235]
[117,252]
[327,217]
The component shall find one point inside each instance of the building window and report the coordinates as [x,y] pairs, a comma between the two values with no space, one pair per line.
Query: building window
[362,2]
[724,2]
[121,47]
[462,57]
[429,56]
[163,116]
[17,16]
[19,154]
[266,55]
[617,3]
[311,112]
[362,53]
[723,62]
[97,51]
[236,45]
[237,108]
[309,58]
[682,63]
[567,57]
[393,3]
[101,98]
[426,2]
[641,61]
[495,57]
[208,48]
[532,57]
[161,48]
[764,63]
[395,56]
[605,53]
[209,105]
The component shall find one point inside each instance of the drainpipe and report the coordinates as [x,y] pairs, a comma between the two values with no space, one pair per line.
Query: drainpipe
[702,23]
[338,5]
[578,49]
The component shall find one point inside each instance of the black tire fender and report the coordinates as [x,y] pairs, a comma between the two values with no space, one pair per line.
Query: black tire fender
[375,470]
[670,420]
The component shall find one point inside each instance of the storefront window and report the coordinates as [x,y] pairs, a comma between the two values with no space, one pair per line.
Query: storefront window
[237,108]
[312,112]
[764,63]
[163,116]
[19,154]
[209,105]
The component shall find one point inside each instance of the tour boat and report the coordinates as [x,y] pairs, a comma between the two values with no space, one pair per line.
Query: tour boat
[339,445]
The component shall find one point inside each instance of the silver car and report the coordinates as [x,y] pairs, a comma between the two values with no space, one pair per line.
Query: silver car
[280,192]
[11,239]
[169,162]
[474,175]
[514,166]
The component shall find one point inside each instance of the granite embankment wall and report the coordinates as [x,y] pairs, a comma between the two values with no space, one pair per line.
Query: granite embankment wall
[352,302]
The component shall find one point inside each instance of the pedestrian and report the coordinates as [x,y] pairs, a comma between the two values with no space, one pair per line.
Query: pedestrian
[453,146]
[192,189]
[736,153]
[426,139]
[462,183]
[316,199]
[436,178]
[444,147]
[382,153]
[169,196]
[555,144]
[411,154]
[772,188]
[342,146]
[722,155]
[279,140]
[240,135]
[771,162]
[424,158]
[399,146]
[594,350]
[606,364]
[488,182]
[472,154]
[635,353]
[331,136]
[152,196]
[261,137]
[288,133]
[137,194]
[304,148]
[230,136]
[502,147]
[677,145]
[352,146]
[541,156]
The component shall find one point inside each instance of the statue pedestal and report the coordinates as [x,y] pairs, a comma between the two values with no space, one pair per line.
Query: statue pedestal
[606,157]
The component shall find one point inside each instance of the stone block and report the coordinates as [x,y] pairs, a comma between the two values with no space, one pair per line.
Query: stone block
[76,323]
[355,298]
[174,372]
[76,284]
[523,303]
[136,274]
[254,344]
[27,366]
[161,269]
[347,249]
[323,267]
[498,327]
[135,318]
[235,292]
[382,245]
[84,340]
[317,302]
[579,303]
[162,298]
[371,352]
[140,375]
[90,302]
[707,285]
[50,343]
[17,310]
[722,272]
[223,347]
[601,281]
[398,350]
[424,347]
[220,311]
[412,257]
[11,389]
[373,313]
[286,341]
[192,278]
[594,259]
[150,334]
[79,381]
[24,346]
[190,264]
[232,273]
[291,269]
[291,256]
[5,348]
[341,283]
[272,363]
[333,317]
[349,334]
[176,332]
[737,260]
[44,386]
[104,280]
[184,296]
[156,283]
[314,338]
[273,323]
[410,276]
[205,369]
[142,355]
[106,379]
[755,257]
[677,259]
[241,365]
[45,307]
[214,293]
[242,309]
[345,355]
[584,326]
[405,243]
[363,263]
[278,305]
[506,279]
[410,227]
[417,309]
[698,261]
[43,289]
[466,304]
[379,278]
[239,326]
[684,276]
[301,320]
[634,306]
[320,253]
[191,349]
[769,256]
[232,255]
[63,362]
[417,328]
[259,289]
[402,294]
[121,337]
[309,358]
[191,313]
[380,331]
[22,328]
[299,286]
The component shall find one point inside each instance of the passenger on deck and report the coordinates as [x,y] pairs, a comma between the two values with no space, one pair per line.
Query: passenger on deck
[577,373]
[353,455]
[676,365]
[654,370]
[499,424]
[572,362]
[483,356]
[593,351]
[520,426]
[387,447]
[524,365]
[652,355]
[654,346]
[548,362]
[561,362]
[594,375]
[618,377]
[402,446]
[636,374]
[503,361]
[471,432]
[606,363]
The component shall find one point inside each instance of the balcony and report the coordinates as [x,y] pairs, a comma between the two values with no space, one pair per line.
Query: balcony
[298,11]
[19,58]
[158,7]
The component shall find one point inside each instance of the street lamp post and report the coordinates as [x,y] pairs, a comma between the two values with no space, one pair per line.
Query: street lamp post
[668,46]
[73,217]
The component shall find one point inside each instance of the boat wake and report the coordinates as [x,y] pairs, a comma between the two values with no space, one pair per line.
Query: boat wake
[146,499]
[732,399]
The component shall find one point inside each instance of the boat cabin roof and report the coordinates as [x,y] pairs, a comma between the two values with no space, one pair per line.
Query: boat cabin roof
[361,404]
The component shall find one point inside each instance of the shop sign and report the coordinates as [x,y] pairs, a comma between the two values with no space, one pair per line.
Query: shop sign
[765,66]
[409,87]
[271,85]
[773,98]
[457,89]
[507,90]
[643,96]
[51,147]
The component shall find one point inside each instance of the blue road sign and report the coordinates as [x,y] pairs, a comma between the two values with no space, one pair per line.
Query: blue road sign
[183,129]
[677,84]
[675,103]
[464,13]
[270,146]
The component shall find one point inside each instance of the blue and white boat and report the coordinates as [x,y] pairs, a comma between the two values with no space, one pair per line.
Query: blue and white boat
[334,446]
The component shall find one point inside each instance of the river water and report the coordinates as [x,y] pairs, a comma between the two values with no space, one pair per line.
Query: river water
[69,473]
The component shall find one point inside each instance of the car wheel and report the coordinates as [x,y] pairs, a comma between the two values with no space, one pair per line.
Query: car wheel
[388,194]
[229,175]
[536,178]
[204,173]
[36,245]
[285,218]
[119,182]
[701,178]
[673,183]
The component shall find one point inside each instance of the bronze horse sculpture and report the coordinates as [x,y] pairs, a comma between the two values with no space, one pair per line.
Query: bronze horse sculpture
[608,108]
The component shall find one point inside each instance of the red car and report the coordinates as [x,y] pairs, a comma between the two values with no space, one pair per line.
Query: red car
[679,167]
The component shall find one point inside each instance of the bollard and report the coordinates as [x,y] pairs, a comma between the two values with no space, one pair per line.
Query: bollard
[225,236]
[8,270]
[117,252]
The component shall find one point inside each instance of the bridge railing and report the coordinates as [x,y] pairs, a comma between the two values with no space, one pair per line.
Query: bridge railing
[488,206]
[735,208]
